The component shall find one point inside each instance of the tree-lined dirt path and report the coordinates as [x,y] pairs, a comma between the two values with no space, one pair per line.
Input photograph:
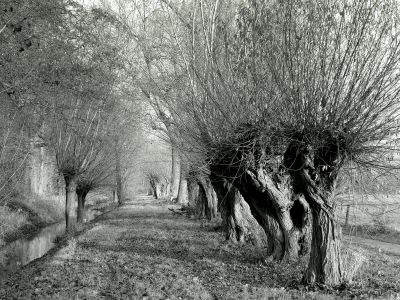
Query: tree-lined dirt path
[142,251]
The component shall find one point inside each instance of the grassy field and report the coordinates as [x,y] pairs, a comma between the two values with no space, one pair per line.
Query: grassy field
[371,216]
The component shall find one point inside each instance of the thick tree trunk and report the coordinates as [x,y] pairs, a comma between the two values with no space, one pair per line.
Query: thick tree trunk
[240,225]
[261,213]
[153,187]
[168,191]
[210,197]
[325,258]
[269,194]
[70,203]
[193,193]
[275,207]
[314,173]
[175,173]
[160,190]
[81,212]
[115,196]
[183,187]
[118,175]
[201,204]
[154,190]
[203,200]
[183,192]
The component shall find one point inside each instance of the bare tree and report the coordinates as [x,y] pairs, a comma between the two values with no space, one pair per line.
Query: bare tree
[78,117]
[280,98]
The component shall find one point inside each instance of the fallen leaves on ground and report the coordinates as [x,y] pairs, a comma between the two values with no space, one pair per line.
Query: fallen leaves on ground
[143,251]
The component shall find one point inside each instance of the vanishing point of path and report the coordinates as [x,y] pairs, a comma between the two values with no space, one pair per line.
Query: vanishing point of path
[143,251]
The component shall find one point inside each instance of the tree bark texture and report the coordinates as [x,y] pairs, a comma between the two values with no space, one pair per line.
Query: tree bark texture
[284,217]
[175,173]
[289,189]
[325,265]
[183,185]
[183,192]
[70,203]
[314,172]
[202,197]
[193,192]
[275,207]
[81,212]
[240,225]
[257,173]
[209,197]
[154,190]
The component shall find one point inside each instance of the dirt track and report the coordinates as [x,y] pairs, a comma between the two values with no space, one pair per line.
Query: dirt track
[142,251]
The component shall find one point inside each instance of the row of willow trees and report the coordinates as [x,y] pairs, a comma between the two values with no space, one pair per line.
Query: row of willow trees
[61,70]
[268,105]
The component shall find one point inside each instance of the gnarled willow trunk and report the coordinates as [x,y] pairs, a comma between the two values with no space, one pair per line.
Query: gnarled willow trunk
[325,258]
[211,199]
[314,172]
[284,216]
[202,198]
[240,225]
[70,203]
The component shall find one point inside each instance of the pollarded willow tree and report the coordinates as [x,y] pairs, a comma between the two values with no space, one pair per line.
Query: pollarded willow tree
[114,146]
[82,98]
[163,80]
[285,95]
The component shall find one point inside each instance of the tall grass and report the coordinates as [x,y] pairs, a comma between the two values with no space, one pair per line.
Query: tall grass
[25,214]
[10,221]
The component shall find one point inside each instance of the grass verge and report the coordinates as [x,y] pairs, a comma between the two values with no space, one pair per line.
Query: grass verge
[23,216]
[379,232]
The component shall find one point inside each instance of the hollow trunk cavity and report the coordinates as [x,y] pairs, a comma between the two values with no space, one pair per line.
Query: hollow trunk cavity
[240,225]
